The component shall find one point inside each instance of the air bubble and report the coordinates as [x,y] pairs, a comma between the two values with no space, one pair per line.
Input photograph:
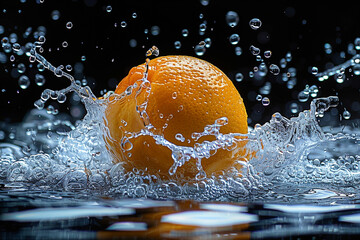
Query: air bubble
[255,23]
[232,18]
[234,39]
[185,32]
[259,98]
[123,24]
[83,58]
[134,15]
[65,44]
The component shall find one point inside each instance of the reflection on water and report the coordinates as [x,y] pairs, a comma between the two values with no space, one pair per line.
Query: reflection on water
[60,215]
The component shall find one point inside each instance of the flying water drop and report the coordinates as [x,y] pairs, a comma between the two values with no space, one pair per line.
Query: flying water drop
[24,82]
[234,39]
[232,18]
[255,23]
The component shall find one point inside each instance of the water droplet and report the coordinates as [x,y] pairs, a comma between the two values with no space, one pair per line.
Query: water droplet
[232,18]
[265,101]
[288,57]
[58,71]
[108,8]
[255,23]
[123,24]
[68,68]
[16,47]
[133,43]
[204,2]
[357,43]
[254,50]
[199,50]
[239,77]
[313,90]
[179,137]
[346,114]
[153,51]
[21,68]
[45,95]
[207,42]
[24,82]
[185,32]
[202,27]
[238,51]
[234,39]
[314,70]
[274,69]
[356,69]
[55,15]
[294,108]
[155,30]
[61,98]
[267,53]
[339,77]
[32,59]
[39,80]
[327,48]
[39,104]
[69,25]
[177,44]
[303,96]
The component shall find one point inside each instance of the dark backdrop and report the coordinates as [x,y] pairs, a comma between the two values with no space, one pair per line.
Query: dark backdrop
[287,26]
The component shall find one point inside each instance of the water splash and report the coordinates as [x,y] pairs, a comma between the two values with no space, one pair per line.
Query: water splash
[56,154]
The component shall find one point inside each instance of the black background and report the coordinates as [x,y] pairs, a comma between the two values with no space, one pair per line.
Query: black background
[287,26]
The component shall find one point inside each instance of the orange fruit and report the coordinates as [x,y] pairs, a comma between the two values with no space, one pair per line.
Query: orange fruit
[186,95]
